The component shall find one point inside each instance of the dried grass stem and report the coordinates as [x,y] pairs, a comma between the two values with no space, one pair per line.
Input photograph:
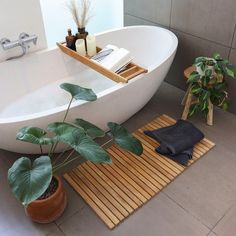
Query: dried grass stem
[80,12]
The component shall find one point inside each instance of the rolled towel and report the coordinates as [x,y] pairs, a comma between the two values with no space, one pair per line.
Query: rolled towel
[177,141]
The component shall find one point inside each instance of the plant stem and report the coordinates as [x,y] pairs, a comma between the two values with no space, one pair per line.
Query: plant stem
[56,168]
[50,151]
[59,156]
[41,149]
[67,111]
[68,108]
[68,157]
[106,143]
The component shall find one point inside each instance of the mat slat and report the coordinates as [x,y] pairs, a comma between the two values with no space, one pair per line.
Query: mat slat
[115,191]
[104,187]
[108,196]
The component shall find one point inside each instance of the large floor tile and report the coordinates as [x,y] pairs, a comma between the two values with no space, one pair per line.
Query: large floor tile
[56,232]
[13,221]
[222,132]
[201,195]
[226,226]
[211,234]
[208,188]
[159,217]
[75,203]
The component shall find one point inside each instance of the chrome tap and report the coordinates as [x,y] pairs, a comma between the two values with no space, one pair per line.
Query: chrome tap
[23,42]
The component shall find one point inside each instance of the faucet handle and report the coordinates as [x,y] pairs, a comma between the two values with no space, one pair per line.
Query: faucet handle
[23,35]
[4,41]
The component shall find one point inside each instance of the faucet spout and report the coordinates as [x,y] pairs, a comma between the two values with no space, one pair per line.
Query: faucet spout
[24,50]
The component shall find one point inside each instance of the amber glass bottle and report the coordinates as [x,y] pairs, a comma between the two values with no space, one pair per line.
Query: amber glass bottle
[70,40]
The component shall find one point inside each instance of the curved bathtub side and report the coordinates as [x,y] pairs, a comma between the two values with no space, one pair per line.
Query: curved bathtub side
[116,104]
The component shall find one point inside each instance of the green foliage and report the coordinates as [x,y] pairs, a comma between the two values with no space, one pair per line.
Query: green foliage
[79,93]
[30,179]
[77,139]
[124,139]
[92,130]
[33,135]
[210,84]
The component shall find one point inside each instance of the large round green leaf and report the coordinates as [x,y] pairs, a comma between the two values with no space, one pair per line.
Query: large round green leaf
[89,149]
[33,135]
[64,131]
[79,93]
[92,130]
[79,141]
[125,139]
[30,179]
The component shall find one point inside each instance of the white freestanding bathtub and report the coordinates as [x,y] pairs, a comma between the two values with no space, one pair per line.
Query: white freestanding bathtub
[30,93]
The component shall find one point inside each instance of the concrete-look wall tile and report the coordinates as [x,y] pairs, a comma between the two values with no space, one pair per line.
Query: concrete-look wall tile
[157,11]
[232,83]
[133,20]
[189,48]
[212,19]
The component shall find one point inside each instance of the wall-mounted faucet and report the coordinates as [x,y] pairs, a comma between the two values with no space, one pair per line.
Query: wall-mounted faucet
[23,42]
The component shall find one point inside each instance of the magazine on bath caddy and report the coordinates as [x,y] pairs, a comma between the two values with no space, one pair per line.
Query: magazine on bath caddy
[113,58]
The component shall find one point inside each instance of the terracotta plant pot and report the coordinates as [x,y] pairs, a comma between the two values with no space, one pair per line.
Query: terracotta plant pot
[49,209]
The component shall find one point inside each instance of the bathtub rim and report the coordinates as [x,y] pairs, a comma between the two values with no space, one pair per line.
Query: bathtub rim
[117,86]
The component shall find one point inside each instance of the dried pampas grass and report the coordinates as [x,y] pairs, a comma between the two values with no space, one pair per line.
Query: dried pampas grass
[80,12]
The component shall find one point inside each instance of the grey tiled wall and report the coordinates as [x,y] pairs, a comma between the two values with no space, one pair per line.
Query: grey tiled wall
[202,27]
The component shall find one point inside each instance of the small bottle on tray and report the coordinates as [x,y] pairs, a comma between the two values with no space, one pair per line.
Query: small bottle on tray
[70,40]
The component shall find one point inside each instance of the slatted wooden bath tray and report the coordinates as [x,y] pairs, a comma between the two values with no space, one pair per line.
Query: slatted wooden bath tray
[131,71]
[115,191]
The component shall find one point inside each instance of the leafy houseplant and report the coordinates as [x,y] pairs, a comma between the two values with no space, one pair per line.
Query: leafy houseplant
[30,179]
[208,83]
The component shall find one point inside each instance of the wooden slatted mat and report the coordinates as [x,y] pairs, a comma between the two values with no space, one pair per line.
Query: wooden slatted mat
[115,191]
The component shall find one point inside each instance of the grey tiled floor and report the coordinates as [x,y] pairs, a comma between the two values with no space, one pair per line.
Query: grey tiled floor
[202,201]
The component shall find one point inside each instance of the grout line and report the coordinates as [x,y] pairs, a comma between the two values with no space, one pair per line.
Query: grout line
[61,231]
[69,216]
[48,234]
[166,194]
[234,36]
[171,11]
[226,212]
[229,53]
[155,23]
[210,233]
[208,40]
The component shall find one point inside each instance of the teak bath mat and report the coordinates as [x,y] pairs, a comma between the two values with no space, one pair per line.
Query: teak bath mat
[115,191]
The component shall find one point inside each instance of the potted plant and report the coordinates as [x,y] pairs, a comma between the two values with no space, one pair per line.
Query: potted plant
[35,183]
[208,82]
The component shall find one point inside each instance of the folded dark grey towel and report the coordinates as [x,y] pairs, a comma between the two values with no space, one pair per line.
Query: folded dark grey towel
[177,141]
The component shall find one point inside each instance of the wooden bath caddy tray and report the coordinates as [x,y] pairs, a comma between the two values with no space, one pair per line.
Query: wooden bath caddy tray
[132,69]
[115,191]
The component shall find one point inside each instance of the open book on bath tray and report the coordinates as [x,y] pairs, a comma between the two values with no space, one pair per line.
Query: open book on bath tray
[113,62]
